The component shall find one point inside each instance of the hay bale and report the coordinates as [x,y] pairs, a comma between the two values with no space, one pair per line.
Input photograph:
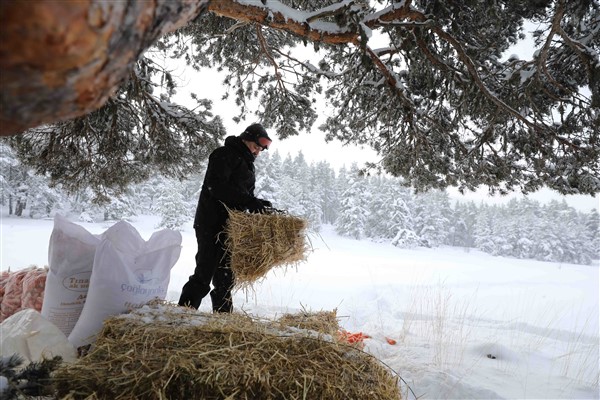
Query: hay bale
[168,352]
[259,242]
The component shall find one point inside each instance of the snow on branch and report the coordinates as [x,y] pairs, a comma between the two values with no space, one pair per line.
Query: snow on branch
[279,16]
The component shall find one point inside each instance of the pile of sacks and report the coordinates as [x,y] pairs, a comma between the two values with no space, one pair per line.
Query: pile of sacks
[21,289]
[57,310]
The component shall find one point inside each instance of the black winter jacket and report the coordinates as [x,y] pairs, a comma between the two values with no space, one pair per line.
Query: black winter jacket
[229,181]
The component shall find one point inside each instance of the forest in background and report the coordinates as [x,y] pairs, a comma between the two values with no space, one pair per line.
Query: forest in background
[363,207]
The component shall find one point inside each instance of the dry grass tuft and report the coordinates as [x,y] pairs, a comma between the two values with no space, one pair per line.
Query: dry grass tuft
[323,321]
[169,352]
[259,242]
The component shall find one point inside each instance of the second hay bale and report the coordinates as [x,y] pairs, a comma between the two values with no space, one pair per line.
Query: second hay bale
[259,242]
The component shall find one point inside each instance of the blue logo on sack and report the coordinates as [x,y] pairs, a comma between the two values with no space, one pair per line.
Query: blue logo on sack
[144,276]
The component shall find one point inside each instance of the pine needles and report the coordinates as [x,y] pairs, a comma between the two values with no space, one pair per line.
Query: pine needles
[32,380]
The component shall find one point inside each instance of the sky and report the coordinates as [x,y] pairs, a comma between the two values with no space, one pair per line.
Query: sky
[467,325]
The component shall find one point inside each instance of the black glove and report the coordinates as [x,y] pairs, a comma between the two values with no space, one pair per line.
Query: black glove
[266,203]
[255,205]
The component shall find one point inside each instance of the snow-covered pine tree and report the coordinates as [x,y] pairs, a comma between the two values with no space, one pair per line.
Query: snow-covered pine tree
[431,217]
[574,241]
[295,190]
[119,207]
[268,177]
[309,195]
[23,189]
[375,226]
[521,228]
[190,190]
[487,229]
[354,201]
[42,199]
[401,220]
[592,222]
[290,189]
[463,225]
[288,196]
[145,194]
[8,172]
[323,181]
[388,210]
[171,205]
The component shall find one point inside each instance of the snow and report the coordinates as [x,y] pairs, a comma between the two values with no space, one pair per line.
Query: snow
[3,384]
[468,325]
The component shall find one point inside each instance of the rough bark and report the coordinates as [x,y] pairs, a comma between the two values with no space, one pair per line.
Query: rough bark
[62,59]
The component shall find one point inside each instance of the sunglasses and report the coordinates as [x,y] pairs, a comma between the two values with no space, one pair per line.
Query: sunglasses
[263,142]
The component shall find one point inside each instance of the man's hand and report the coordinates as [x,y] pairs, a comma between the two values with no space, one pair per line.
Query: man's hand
[266,203]
[257,205]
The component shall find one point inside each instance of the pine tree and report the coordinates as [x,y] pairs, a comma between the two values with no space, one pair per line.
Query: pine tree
[402,219]
[323,181]
[463,226]
[309,195]
[42,199]
[575,239]
[522,228]
[592,222]
[353,212]
[119,208]
[8,173]
[431,218]
[145,194]
[23,189]
[374,226]
[268,177]
[288,197]
[389,209]
[430,85]
[487,229]
[171,206]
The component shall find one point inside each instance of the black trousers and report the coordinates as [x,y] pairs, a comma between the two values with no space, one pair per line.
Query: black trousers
[212,265]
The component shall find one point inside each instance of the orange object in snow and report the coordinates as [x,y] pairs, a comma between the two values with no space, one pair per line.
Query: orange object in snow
[352,338]
[390,341]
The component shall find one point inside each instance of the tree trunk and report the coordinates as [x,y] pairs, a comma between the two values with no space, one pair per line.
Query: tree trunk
[20,207]
[63,59]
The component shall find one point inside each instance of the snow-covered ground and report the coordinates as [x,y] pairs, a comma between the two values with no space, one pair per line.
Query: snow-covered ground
[467,325]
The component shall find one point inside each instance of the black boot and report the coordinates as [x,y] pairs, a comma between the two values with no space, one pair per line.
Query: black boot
[192,293]
[221,300]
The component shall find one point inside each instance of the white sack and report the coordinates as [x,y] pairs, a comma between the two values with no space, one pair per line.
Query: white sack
[70,258]
[33,337]
[128,272]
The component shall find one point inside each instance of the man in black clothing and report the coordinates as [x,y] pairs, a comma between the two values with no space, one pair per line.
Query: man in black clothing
[229,181]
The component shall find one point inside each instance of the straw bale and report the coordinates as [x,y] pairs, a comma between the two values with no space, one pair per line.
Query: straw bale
[259,242]
[169,352]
